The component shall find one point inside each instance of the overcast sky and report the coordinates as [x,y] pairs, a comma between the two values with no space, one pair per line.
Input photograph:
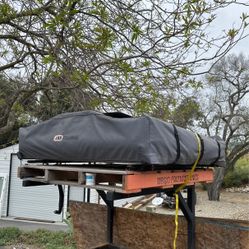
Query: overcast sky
[230,17]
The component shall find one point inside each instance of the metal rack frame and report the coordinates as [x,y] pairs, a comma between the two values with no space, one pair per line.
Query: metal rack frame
[187,207]
[121,183]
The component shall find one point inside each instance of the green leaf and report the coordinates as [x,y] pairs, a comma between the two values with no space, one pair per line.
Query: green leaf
[186,43]
[136,32]
[80,77]
[85,76]
[104,37]
[18,108]
[232,33]
[99,10]
[146,63]
[48,59]
[5,9]
[2,102]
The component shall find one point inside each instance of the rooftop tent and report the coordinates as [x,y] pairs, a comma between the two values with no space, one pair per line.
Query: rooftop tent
[92,136]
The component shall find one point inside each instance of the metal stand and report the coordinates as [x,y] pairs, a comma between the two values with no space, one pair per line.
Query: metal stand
[188,209]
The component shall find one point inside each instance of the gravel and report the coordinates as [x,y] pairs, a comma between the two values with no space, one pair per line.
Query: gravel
[244,189]
[232,205]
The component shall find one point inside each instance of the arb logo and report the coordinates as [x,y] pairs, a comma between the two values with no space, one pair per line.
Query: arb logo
[58,138]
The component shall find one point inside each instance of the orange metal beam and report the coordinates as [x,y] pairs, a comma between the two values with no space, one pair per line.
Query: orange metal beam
[164,179]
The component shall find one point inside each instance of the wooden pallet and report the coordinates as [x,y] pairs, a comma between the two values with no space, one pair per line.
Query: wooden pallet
[122,181]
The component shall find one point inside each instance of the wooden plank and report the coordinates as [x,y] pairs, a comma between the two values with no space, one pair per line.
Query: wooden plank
[138,203]
[78,169]
[36,179]
[165,179]
[46,175]
[81,178]
[74,183]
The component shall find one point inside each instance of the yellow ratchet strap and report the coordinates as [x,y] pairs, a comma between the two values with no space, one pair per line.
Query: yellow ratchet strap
[188,178]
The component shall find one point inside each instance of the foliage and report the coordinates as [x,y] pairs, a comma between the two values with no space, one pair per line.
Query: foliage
[239,175]
[186,113]
[73,55]
[42,238]
[183,112]
[226,111]
[9,235]
[15,107]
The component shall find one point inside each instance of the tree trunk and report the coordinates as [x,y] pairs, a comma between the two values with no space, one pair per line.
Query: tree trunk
[215,186]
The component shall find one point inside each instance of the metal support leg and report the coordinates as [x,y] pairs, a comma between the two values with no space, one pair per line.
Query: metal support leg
[88,195]
[84,194]
[109,200]
[61,200]
[110,215]
[191,223]
[188,210]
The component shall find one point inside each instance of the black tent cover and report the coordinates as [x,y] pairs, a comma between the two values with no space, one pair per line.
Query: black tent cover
[91,136]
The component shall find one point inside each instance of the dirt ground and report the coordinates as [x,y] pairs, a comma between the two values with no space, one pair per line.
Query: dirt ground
[230,206]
